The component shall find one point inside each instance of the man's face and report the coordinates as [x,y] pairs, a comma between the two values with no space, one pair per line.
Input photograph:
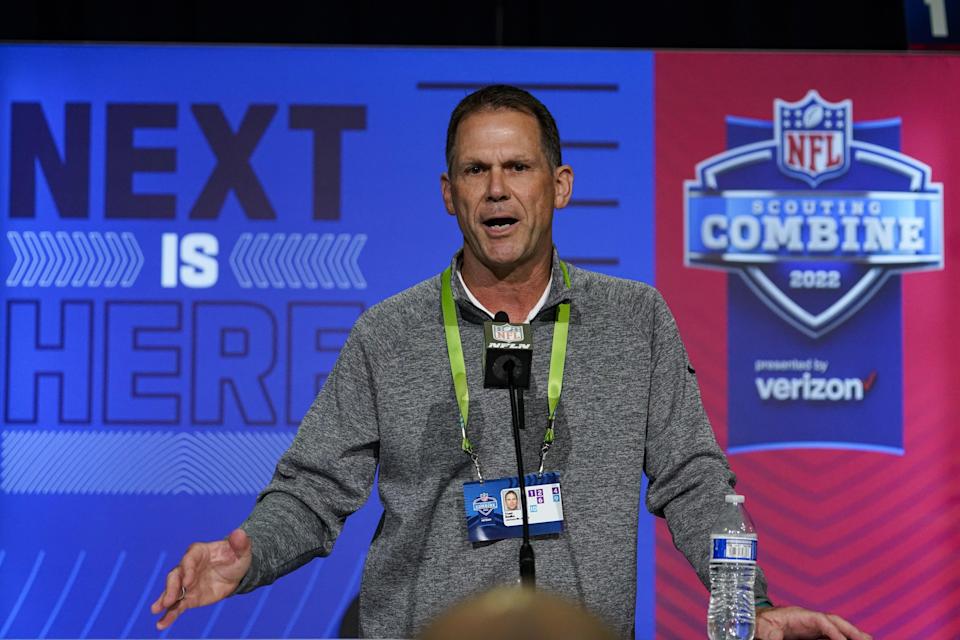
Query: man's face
[511,501]
[503,190]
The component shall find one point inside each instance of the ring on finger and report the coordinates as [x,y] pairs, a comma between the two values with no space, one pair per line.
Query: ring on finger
[183,593]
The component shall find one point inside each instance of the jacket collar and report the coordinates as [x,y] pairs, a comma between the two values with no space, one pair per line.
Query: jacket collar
[559,292]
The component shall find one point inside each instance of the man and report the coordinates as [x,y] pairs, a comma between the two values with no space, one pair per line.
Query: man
[630,404]
[510,501]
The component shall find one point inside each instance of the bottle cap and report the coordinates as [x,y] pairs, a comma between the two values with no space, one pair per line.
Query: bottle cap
[734,499]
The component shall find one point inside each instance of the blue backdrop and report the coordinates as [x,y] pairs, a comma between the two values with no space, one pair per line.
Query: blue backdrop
[189,233]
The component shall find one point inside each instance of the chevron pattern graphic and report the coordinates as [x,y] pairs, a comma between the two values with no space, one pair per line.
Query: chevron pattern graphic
[864,535]
[294,260]
[118,585]
[870,536]
[131,463]
[61,259]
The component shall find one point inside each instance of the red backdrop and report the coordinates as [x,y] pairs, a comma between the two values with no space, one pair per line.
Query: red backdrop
[871,536]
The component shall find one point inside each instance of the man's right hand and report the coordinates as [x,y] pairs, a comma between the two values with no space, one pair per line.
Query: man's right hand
[207,573]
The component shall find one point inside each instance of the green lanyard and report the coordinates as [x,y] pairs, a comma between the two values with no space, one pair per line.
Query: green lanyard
[458,368]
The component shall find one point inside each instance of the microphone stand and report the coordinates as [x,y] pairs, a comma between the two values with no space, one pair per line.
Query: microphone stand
[527,561]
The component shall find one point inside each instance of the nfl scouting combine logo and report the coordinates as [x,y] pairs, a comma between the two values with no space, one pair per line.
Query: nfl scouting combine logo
[813,210]
[485,504]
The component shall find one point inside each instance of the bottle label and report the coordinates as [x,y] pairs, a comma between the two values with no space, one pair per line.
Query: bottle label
[733,549]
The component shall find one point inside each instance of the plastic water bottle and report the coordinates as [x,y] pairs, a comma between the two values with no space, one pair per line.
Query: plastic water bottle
[733,565]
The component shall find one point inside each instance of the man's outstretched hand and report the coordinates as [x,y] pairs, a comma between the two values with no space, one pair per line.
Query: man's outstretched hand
[207,573]
[797,623]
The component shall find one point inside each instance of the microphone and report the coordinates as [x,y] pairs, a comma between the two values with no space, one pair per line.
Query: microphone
[506,365]
[508,353]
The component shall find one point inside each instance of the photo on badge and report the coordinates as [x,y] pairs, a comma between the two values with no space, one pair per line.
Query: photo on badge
[512,506]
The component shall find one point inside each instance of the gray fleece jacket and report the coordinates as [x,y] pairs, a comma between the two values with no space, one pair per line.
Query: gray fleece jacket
[630,405]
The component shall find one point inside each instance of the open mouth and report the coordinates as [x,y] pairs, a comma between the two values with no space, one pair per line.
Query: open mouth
[499,223]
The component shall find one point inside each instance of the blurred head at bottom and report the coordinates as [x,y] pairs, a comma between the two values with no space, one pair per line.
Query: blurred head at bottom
[514,613]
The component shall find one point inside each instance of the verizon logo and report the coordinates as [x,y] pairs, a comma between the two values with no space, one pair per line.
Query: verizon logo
[817,389]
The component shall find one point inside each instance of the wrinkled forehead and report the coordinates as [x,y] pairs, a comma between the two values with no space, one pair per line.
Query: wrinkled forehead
[530,123]
[499,110]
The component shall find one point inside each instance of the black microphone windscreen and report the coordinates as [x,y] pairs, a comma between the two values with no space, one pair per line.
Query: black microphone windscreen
[501,316]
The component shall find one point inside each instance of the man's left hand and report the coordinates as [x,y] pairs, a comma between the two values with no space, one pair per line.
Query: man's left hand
[797,623]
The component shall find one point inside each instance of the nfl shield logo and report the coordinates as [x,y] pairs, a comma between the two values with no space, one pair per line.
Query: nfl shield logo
[814,137]
[484,505]
[507,333]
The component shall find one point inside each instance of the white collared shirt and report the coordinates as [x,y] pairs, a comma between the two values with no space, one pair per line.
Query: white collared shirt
[530,316]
